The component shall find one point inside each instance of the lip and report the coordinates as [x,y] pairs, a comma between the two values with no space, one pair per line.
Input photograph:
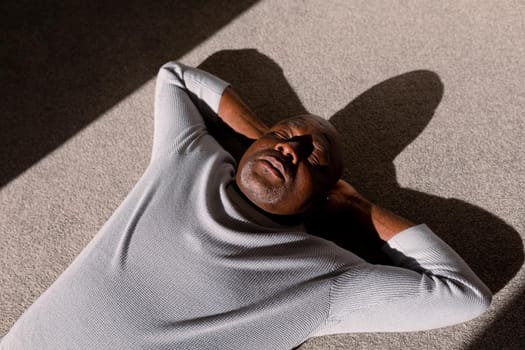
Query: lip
[276,165]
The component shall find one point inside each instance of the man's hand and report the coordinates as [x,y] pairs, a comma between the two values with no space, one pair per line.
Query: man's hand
[343,197]
[238,116]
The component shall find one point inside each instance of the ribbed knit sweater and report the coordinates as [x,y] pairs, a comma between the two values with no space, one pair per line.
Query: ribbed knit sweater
[186,263]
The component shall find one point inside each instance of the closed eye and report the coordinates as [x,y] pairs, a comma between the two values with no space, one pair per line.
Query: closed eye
[314,160]
[317,160]
[280,134]
[318,155]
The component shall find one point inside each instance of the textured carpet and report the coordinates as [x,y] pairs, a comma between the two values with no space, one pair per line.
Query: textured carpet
[428,95]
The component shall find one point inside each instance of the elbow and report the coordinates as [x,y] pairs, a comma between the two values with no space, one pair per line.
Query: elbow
[484,299]
[476,302]
[171,72]
[464,301]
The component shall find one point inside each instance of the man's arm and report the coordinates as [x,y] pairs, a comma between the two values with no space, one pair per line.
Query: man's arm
[430,285]
[238,116]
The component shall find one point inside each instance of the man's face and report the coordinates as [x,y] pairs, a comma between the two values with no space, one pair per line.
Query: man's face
[291,166]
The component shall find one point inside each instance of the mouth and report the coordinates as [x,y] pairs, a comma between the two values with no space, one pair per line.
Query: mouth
[275,165]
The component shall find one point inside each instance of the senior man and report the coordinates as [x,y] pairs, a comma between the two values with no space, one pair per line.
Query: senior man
[205,254]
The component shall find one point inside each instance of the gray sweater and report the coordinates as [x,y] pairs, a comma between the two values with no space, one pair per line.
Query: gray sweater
[186,263]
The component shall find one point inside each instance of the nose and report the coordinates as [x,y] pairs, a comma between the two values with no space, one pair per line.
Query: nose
[296,148]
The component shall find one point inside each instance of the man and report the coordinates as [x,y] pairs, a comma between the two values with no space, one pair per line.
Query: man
[206,255]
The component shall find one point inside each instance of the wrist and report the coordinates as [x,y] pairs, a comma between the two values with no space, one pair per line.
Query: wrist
[386,223]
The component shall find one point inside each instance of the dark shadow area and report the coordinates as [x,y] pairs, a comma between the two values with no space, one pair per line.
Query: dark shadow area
[376,127]
[507,331]
[64,63]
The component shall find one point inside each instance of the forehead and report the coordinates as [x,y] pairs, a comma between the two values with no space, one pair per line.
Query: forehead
[304,122]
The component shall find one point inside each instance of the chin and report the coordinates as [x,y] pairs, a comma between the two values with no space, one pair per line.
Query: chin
[265,195]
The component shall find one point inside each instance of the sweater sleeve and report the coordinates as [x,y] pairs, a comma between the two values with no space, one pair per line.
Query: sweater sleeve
[430,287]
[184,96]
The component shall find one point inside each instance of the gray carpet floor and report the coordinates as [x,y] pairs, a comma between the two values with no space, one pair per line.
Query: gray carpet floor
[429,96]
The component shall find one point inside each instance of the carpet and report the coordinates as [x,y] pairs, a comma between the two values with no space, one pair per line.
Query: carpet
[428,96]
